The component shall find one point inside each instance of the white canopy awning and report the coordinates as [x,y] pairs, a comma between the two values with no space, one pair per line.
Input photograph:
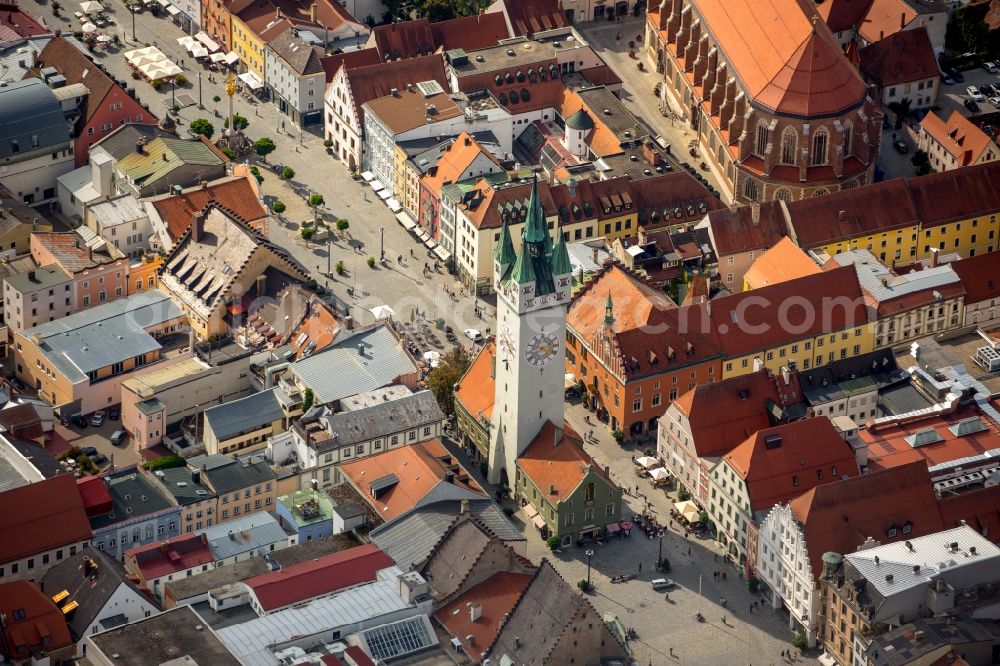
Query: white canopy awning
[231,57]
[393,205]
[422,233]
[173,11]
[251,80]
[88,28]
[377,185]
[442,253]
[659,474]
[405,220]
[187,41]
[384,195]
[163,3]
[91,7]
[367,176]
[217,57]
[382,312]
[209,43]
[199,51]
[646,462]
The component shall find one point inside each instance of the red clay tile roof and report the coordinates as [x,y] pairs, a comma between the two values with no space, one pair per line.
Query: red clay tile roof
[783,262]
[742,328]
[21,22]
[542,95]
[560,465]
[166,557]
[404,39]
[475,391]
[964,141]
[887,445]
[784,60]
[839,516]
[883,18]
[723,414]
[530,16]
[470,32]
[418,468]
[734,230]
[979,509]
[495,597]
[49,515]
[41,621]
[980,276]
[957,194]
[69,251]
[454,161]
[780,463]
[854,212]
[893,306]
[260,16]
[319,577]
[95,495]
[902,57]
[358,656]
[236,195]
[348,59]
[651,335]
[843,15]
[486,214]
[374,81]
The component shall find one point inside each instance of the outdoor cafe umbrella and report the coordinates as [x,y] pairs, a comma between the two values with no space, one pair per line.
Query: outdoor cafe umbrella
[199,51]
[104,39]
[91,7]
[88,28]
[646,462]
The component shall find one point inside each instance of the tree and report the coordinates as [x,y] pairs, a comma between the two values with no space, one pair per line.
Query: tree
[437,10]
[800,642]
[287,173]
[202,126]
[306,233]
[255,172]
[228,152]
[307,399]
[264,146]
[443,378]
[315,201]
[342,226]
[554,542]
[278,207]
[371,262]
[180,80]
[339,268]
[239,122]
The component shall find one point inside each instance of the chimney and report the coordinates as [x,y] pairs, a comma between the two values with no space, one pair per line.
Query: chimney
[277,14]
[409,88]
[198,225]
[261,285]
[312,13]
[755,214]
[934,257]
[552,489]
[196,476]
[463,507]
[595,252]
[31,276]
[842,215]
[881,35]
[90,253]
[140,146]
[475,612]
[558,437]
[361,349]
[468,140]
[902,20]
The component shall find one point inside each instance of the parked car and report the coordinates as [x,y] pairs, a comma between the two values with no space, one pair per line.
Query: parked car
[118,437]
[947,80]
[100,459]
[955,74]
[89,451]
[79,421]
[971,105]
[114,413]
[996,88]
[474,334]
[995,101]
[901,147]
[986,90]
[990,66]
[974,93]
[662,583]
[97,418]
[18,384]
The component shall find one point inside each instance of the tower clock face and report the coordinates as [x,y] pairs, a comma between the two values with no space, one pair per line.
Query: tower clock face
[506,343]
[541,349]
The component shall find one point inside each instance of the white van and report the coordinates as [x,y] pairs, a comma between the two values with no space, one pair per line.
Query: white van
[662,583]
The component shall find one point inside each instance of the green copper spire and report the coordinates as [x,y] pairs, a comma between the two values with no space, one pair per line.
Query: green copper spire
[560,258]
[535,229]
[524,270]
[504,252]
[609,315]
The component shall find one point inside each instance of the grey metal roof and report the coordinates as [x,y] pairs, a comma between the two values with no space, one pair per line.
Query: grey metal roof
[341,370]
[105,334]
[91,593]
[44,277]
[250,413]
[368,423]
[122,141]
[132,496]
[242,535]
[850,376]
[37,455]
[409,538]
[31,119]
[902,399]
[10,478]
[233,474]
[179,482]
[192,586]
[880,282]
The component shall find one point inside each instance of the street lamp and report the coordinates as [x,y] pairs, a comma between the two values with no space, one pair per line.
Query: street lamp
[131,8]
[381,243]
[589,555]
[329,257]
[659,555]
[173,96]
[200,105]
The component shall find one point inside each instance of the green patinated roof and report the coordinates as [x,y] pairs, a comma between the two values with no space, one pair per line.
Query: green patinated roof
[560,258]
[504,252]
[535,229]
[524,271]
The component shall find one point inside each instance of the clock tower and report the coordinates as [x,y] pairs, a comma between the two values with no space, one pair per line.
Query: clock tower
[533,293]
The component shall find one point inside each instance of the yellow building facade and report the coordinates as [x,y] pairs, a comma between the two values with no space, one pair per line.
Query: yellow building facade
[248,46]
[806,352]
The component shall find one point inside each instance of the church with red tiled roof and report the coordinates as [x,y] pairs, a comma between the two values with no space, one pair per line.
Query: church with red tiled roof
[779,111]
